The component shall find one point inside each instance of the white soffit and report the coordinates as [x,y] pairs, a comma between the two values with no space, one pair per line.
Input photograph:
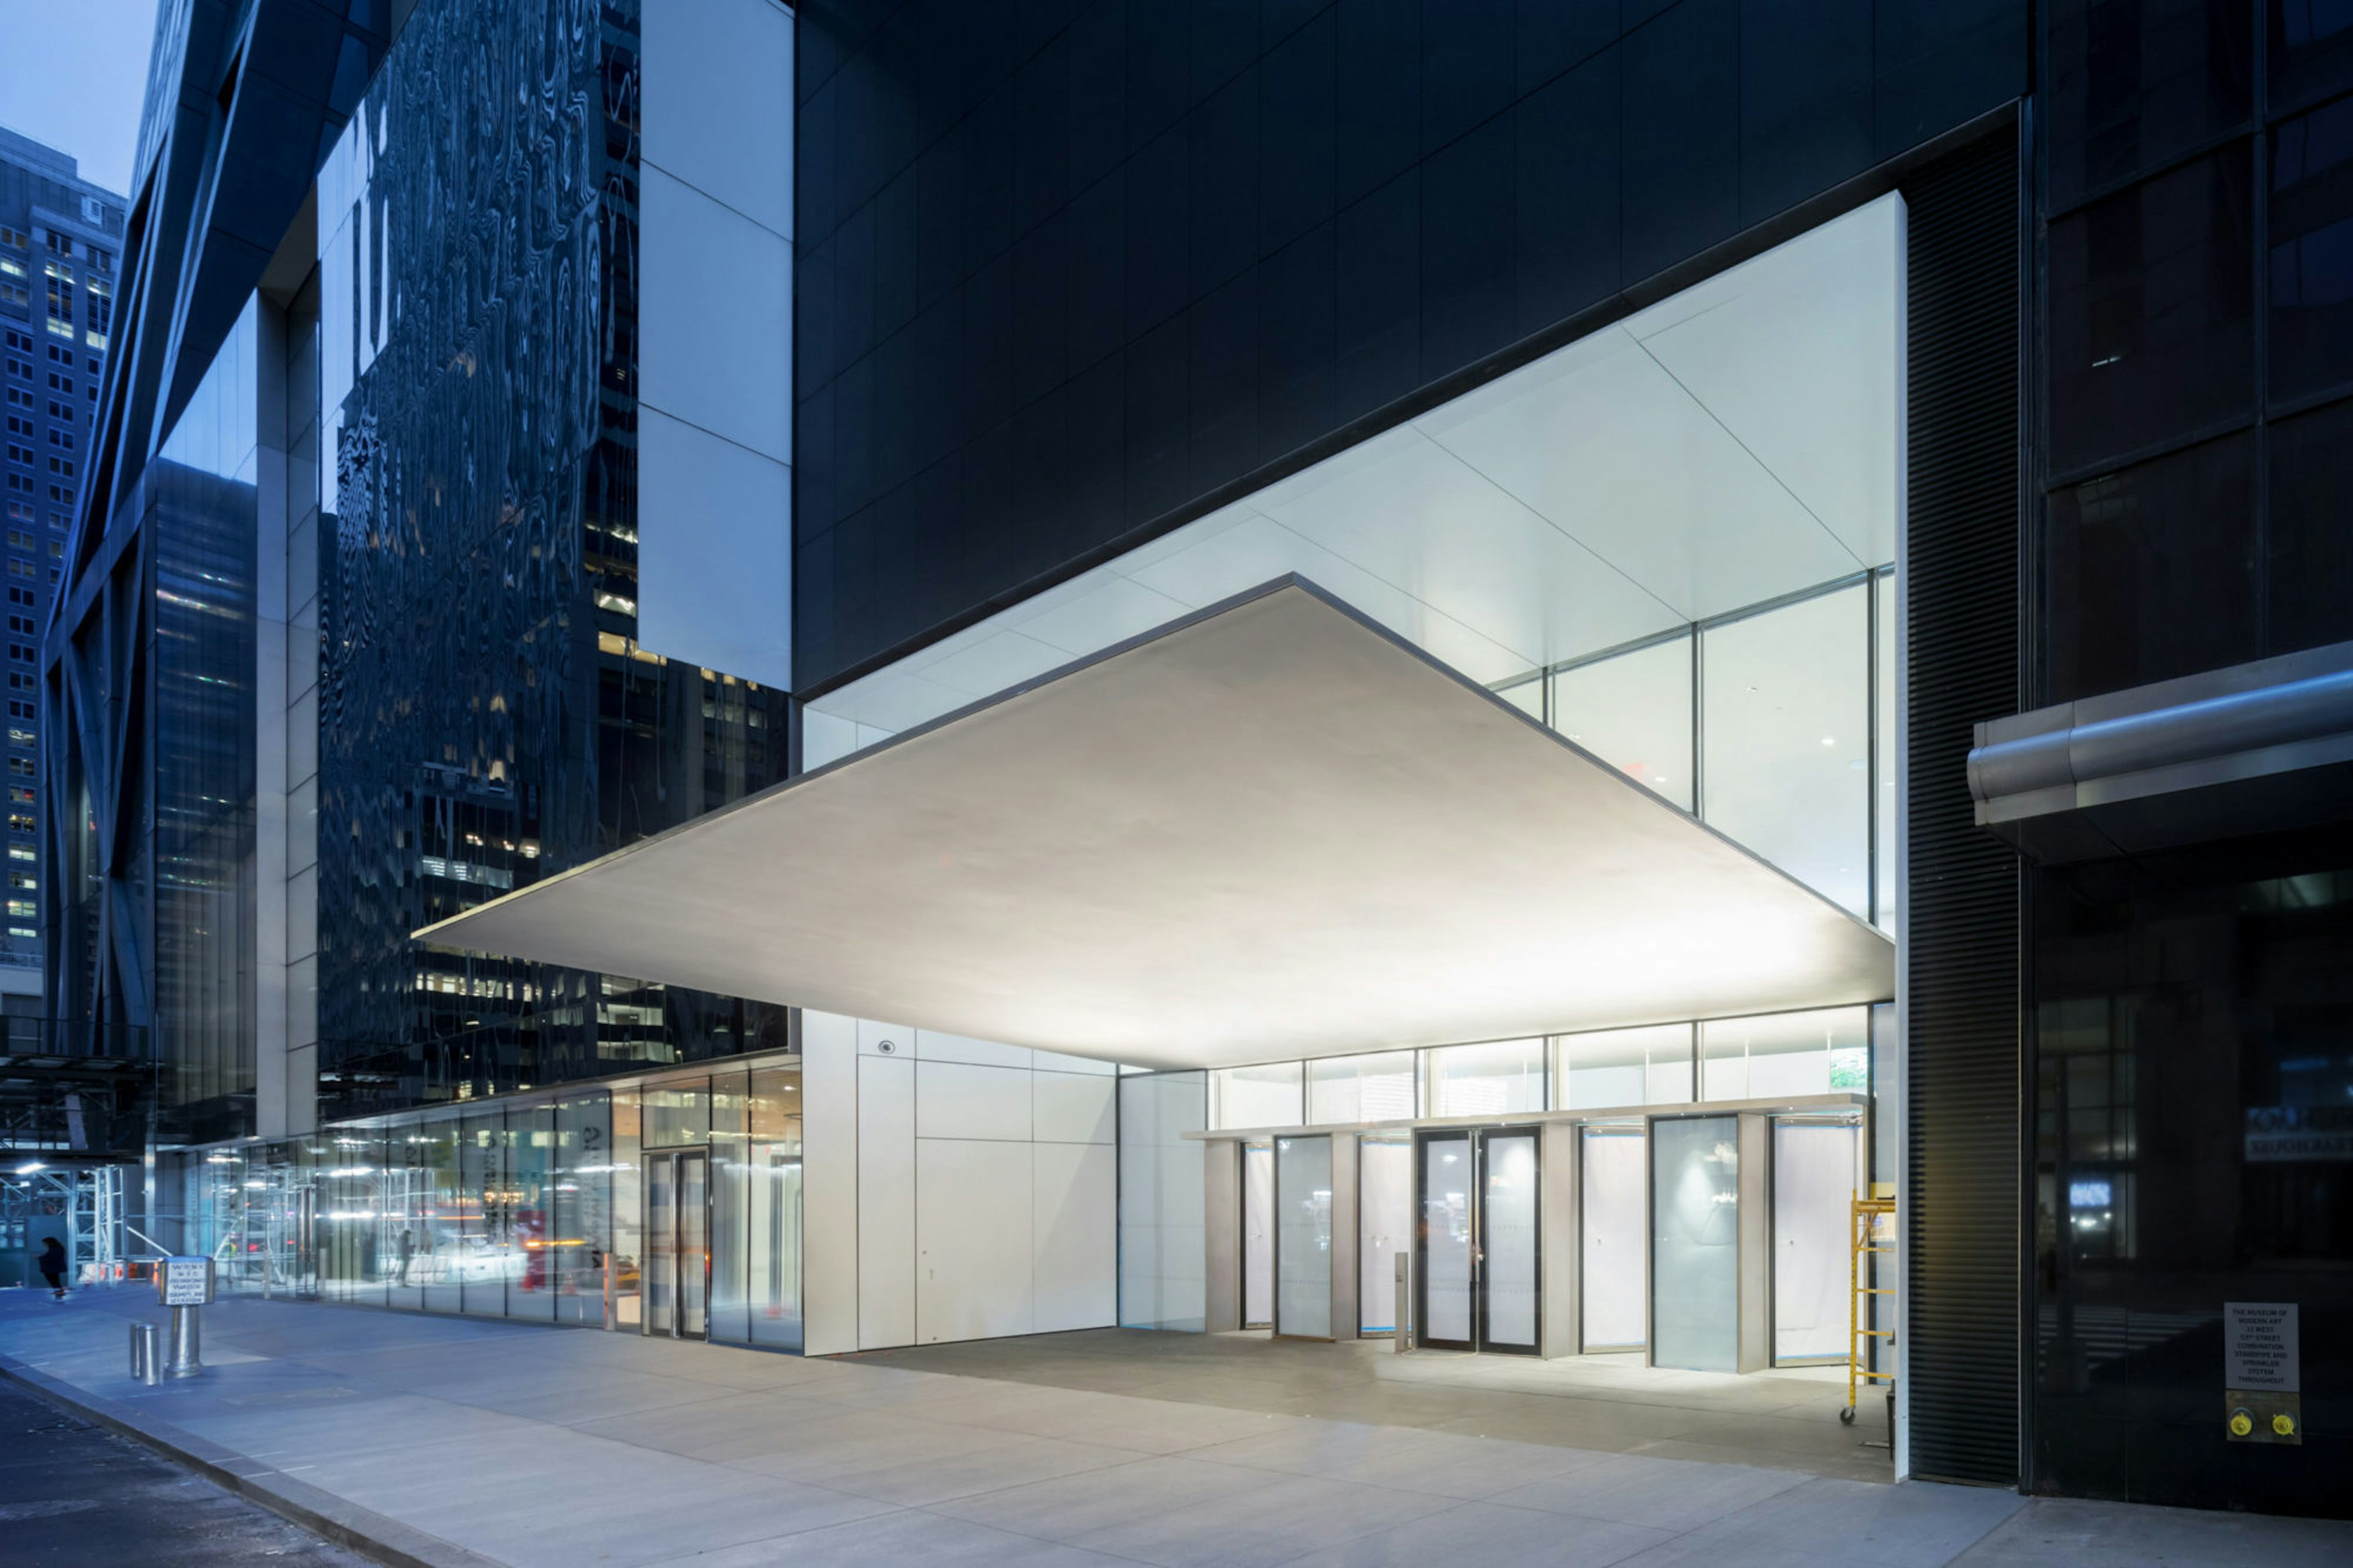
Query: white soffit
[1270,829]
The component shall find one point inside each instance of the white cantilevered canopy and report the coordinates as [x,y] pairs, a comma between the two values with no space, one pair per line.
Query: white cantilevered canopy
[1269,829]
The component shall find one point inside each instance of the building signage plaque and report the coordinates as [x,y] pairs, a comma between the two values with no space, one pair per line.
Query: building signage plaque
[184,1281]
[2262,1372]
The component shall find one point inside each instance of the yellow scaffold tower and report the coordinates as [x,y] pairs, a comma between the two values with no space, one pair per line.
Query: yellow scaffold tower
[1872,1239]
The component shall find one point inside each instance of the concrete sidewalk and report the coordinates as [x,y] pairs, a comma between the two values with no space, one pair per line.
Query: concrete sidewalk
[456,1441]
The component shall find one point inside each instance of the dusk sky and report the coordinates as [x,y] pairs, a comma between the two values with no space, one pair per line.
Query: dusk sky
[72,74]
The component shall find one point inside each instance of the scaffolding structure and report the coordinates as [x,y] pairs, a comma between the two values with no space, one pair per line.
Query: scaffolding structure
[82,1207]
[1871,1241]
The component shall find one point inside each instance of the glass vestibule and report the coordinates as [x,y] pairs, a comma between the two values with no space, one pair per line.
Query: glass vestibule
[1478,1242]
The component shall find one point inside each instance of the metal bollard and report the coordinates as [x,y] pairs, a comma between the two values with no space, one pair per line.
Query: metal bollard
[143,1365]
[187,1359]
[1404,1319]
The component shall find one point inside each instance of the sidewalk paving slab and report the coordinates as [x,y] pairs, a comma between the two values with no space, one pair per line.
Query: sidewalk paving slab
[434,1442]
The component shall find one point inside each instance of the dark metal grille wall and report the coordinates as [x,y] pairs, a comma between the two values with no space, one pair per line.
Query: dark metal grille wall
[1962,1303]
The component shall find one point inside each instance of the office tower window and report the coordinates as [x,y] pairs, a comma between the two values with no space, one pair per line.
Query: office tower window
[2133,82]
[2311,221]
[2151,571]
[2311,549]
[2152,308]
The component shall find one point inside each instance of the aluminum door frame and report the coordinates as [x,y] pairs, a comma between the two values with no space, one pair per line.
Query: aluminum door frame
[1475,1145]
[678,1210]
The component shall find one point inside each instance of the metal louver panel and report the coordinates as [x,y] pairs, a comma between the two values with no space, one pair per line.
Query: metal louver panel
[1961,1317]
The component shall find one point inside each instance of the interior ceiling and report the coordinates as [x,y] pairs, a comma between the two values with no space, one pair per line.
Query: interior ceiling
[1270,830]
[1729,445]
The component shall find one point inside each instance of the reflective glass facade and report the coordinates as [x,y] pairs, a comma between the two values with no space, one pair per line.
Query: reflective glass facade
[485,714]
[203,506]
[532,1208]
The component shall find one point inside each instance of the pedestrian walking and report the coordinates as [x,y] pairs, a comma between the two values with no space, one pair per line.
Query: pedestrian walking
[52,1267]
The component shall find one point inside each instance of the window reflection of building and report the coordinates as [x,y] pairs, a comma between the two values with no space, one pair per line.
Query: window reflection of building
[2191,1067]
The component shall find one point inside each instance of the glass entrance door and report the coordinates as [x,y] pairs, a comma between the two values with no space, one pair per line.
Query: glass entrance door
[1814,1180]
[1615,1272]
[1478,1242]
[1508,1284]
[1442,1272]
[677,1283]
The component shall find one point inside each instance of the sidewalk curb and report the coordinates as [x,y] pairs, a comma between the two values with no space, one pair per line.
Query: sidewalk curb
[369,1534]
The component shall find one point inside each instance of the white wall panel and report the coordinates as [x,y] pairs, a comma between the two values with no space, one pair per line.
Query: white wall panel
[886,1202]
[718,102]
[876,1039]
[1075,1108]
[714,550]
[955,1099]
[830,1181]
[973,1229]
[1074,1232]
[934,1047]
[1056,1061]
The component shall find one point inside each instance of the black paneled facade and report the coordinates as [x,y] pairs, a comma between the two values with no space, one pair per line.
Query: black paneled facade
[1070,271]
[2198,347]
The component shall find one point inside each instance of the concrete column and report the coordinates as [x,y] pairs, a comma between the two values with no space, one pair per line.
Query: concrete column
[1344,1231]
[1221,1233]
[1557,1211]
[1756,1242]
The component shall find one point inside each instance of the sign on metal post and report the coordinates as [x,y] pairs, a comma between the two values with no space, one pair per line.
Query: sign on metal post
[2262,1372]
[184,1281]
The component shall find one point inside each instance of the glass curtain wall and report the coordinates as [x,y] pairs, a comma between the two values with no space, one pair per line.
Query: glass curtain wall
[527,1210]
[1784,1055]
[582,1206]
[772,1240]
[1268,1095]
[1500,1077]
[1377,1087]
[1776,725]
[1616,1067]
[1633,710]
